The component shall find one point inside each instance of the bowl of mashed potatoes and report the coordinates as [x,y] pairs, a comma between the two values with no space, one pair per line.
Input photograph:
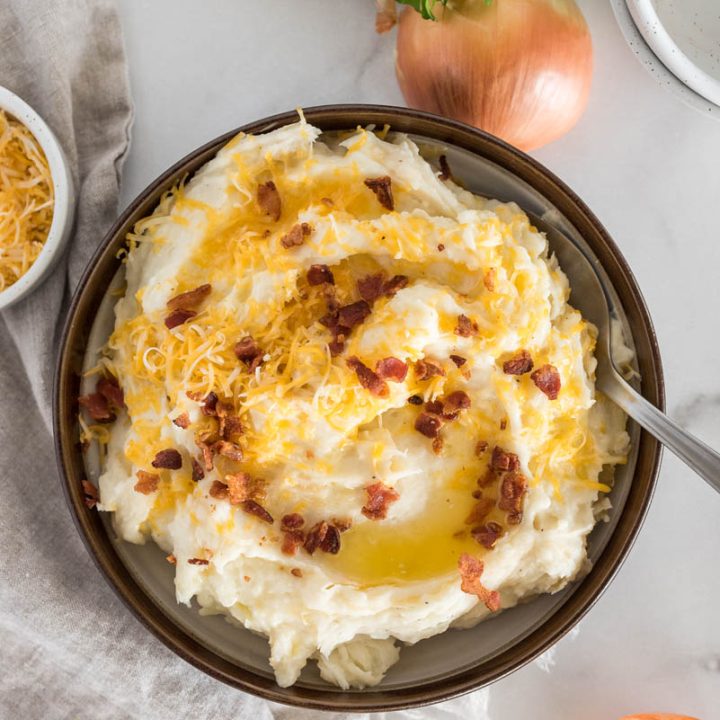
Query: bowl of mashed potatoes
[326,414]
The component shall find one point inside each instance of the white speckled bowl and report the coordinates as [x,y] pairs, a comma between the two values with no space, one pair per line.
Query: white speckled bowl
[63,190]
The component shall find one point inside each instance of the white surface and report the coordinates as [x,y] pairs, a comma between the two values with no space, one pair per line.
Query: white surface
[684,38]
[63,190]
[654,66]
[645,163]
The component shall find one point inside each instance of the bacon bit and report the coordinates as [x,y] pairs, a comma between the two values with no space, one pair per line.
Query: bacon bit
[190,299]
[337,345]
[503,423]
[459,360]
[207,453]
[547,379]
[471,571]
[477,494]
[231,427]
[292,540]
[320,274]
[325,536]
[512,493]
[440,247]
[368,379]
[297,572]
[169,459]
[434,406]
[382,187]
[97,407]
[230,450]
[480,447]
[390,368]
[147,482]
[437,445]
[482,508]
[253,508]
[249,352]
[518,364]
[395,283]
[466,327]
[415,400]
[425,369]
[90,494]
[219,490]
[487,535]
[379,497]
[445,173]
[171,559]
[247,578]
[198,561]
[109,388]
[351,315]
[239,487]
[370,287]
[292,521]
[330,543]
[455,401]
[428,424]
[342,524]
[197,472]
[178,317]
[209,405]
[502,461]
[297,235]
[182,421]
[489,279]
[268,198]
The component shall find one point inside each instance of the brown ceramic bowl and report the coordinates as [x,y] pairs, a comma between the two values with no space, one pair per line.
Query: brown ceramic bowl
[440,667]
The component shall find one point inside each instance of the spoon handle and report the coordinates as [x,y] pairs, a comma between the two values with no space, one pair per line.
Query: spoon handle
[693,452]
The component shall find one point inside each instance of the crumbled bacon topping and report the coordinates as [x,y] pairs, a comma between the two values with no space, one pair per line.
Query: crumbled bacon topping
[379,497]
[297,235]
[109,388]
[415,400]
[502,461]
[147,483]
[98,407]
[90,494]
[228,449]
[382,187]
[395,283]
[547,379]
[230,427]
[480,447]
[268,198]
[320,274]
[390,368]
[471,570]
[425,369]
[482,508]
[197,471]
[182,421]
[351,315]
[292,521]
[254,508]
[445,173]
[370,287]
[428,424]
[198,561]
[297,572]
[512,493]
[209,405]
[440,247]
[368,379]
[206,449]
[459,360]
[466,327]
[248,351]
[178,317]
[219,490]
[191,299]
[454,402]
[239,487]
[519,364]
[488,534]
[169,459]
[292,540]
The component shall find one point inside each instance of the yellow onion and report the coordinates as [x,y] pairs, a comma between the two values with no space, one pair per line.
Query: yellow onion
[519,69]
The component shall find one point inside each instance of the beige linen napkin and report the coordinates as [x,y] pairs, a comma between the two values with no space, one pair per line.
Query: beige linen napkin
[68,647]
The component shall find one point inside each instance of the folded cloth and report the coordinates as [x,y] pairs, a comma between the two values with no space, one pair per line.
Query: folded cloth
[68,647]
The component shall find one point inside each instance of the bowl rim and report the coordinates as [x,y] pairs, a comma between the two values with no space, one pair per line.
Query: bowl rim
[63,194]
[94,536]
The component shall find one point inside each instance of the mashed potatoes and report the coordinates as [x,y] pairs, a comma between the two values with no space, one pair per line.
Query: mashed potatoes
[357,408]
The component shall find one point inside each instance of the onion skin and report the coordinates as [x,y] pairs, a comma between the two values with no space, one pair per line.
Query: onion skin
[519,69]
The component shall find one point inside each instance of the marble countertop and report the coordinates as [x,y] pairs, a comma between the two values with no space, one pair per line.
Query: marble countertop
[647,166]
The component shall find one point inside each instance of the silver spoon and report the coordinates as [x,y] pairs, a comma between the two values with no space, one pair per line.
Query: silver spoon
[590,296]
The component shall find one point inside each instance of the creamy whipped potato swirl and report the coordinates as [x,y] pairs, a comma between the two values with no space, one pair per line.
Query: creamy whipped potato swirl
[352,402]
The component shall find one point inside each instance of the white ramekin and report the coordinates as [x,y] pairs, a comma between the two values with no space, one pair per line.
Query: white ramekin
[64,193]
